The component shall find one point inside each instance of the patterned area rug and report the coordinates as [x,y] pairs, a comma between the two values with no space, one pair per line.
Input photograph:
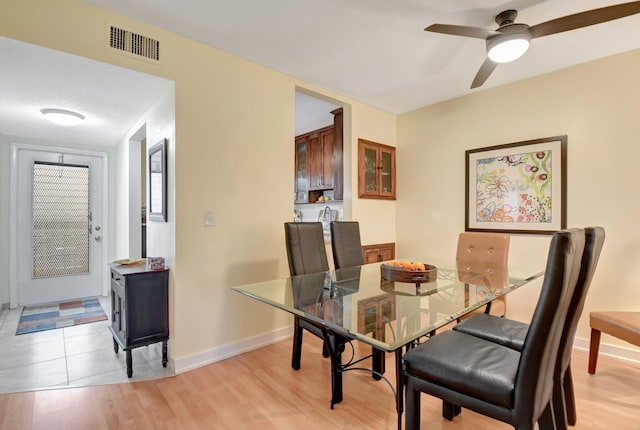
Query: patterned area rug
[59,315]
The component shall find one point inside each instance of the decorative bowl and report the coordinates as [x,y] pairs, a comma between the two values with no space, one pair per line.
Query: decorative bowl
[400,274]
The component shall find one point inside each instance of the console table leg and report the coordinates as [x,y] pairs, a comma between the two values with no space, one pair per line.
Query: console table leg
[115,346]
[164,353]
[129,364]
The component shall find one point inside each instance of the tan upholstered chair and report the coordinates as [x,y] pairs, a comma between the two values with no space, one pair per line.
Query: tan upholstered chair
[623,325]
[485,249]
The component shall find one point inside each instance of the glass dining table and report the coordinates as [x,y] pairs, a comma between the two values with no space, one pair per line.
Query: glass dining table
[361,303]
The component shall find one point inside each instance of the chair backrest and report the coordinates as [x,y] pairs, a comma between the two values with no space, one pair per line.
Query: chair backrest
[306,251]
[534,381]
[345,244]
[483,248]
[594,239]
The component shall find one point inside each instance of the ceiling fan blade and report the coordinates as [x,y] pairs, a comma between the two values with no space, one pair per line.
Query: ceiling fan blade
[462,30]
[483,73]
[584,19]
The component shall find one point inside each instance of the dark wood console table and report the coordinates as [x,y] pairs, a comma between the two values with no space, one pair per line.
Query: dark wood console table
[139,309]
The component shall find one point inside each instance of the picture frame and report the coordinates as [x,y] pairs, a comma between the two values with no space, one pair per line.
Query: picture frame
[517,187]
[158,181]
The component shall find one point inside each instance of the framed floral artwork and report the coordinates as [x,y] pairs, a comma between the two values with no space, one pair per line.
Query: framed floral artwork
[517,187]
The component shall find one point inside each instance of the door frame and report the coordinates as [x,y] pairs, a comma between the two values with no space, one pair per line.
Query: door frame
[13,211]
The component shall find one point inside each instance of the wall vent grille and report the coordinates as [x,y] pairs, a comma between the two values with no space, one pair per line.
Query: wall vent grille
[136,44]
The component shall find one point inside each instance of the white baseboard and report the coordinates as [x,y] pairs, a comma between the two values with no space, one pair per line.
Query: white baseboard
[217,354]
[191,362]
[614,351]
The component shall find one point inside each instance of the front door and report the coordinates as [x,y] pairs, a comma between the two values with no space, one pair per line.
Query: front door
[59,226]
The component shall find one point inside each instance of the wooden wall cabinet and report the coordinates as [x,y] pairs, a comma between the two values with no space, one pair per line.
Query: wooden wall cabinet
[376,170]
[318,162]
[320,167]
[379,252]
[139,309]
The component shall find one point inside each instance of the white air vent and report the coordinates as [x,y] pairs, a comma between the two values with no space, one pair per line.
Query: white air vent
[132,43]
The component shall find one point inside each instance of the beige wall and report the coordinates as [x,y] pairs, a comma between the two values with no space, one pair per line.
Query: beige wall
[233,154]
[597,105]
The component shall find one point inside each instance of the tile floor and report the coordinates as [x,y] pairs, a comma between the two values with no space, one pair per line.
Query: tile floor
[75,356]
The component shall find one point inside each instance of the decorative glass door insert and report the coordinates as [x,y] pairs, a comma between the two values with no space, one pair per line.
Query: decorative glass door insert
[61,219]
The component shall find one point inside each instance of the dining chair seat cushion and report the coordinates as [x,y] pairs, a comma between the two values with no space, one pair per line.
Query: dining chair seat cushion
[468,365]
[502,331]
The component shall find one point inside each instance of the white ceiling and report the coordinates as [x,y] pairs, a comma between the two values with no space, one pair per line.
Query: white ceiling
[377,51]
[111,98]
[374,51]
[312,113]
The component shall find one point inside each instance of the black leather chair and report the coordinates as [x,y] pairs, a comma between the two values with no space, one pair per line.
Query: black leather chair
[491,379]
[512,334]
[306,254]
[346,248]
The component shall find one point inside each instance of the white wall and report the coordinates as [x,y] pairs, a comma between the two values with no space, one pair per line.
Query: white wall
[121,210]
[159,123]
[597,105]
[5,142]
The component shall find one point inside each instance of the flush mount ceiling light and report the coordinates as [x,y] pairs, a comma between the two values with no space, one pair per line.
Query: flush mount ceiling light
[62,117]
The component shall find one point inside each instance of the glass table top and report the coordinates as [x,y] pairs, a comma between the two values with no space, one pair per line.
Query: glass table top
[358,303]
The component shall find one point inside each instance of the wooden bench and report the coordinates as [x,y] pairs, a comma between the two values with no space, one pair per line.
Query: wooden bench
[623,325]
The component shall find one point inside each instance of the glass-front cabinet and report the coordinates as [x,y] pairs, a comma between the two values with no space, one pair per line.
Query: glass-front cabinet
[376,170]
[302,183]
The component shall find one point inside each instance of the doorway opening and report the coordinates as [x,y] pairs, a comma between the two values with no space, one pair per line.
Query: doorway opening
[322,158]
[59,239]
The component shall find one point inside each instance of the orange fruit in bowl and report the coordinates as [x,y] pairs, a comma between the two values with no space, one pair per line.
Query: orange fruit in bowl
[406,265]
[418,266]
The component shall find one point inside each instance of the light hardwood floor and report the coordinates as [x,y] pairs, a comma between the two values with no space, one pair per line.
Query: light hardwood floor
[259,390]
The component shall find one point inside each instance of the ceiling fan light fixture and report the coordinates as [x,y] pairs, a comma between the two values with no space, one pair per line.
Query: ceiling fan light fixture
[62,116]
[508,47]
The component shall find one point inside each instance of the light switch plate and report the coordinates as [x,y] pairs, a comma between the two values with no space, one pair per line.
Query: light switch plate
[209,219]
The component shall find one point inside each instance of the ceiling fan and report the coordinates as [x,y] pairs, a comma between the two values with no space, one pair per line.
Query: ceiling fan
[511,40]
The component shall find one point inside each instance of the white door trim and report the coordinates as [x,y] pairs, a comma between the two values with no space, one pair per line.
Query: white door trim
[13,211]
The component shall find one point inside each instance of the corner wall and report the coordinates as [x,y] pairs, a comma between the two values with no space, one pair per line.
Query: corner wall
[597,106]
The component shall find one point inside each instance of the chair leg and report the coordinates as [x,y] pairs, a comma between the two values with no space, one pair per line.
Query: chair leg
[297,345]
[569,398]
[412,414]
[558,403]
[325,350]
[378,362]
[546,421]
[594,347]
[450,411]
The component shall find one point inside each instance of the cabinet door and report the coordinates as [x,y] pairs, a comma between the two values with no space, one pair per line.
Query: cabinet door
[118,307]
[301,178]
[367,169]
[327,138]
[387,172]
[376,170]
[379,252]
[314,154]
[320,156]
[148,307]
[387,252]
[371,255]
